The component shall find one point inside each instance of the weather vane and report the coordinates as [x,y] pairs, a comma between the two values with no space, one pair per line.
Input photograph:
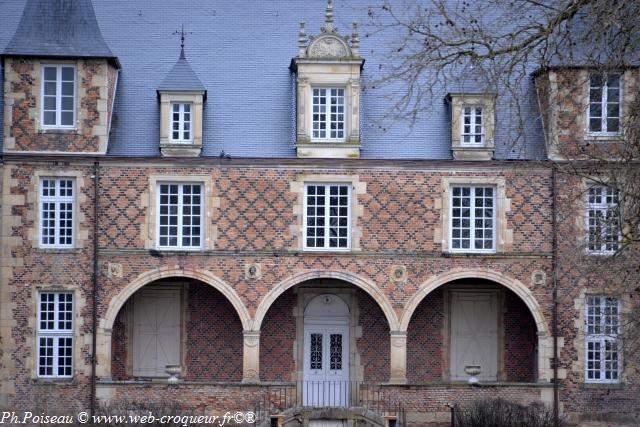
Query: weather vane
[182,34]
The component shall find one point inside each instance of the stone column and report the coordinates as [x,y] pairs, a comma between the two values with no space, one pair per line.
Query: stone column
[251,357]
[398,357]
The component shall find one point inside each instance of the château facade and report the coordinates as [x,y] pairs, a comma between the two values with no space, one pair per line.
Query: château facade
[238,208]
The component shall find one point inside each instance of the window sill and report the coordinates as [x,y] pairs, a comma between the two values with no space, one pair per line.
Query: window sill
[603,386]
[60,130]
[69,251]
[55,381]
[604,137]
[174,251]
[469,253]
[600,254]
[326,251]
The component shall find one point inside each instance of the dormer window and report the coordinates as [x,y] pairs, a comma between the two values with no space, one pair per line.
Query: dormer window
[59,96]
[328,92]
[472,125]
[181,125]
[181,96]
[328,114]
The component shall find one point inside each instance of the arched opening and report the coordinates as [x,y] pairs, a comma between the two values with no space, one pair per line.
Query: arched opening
[177,321]
[286,348]
[472,322]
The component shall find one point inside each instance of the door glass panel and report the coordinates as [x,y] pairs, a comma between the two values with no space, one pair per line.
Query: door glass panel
[316,351]
[336,352]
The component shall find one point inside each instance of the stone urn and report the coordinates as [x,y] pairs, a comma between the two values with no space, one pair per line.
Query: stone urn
[174,372]
[472,371]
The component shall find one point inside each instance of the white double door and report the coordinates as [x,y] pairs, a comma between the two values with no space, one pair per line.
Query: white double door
[156,331]
[474,334]
[326,365]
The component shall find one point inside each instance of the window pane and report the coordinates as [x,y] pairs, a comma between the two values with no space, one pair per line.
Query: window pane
[50,118]
[67,74]
[67,103]
[66,118]
[50,73]
[50,88]
[67,88]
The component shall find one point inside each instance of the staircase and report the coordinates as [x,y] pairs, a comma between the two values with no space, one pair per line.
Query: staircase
[293,404]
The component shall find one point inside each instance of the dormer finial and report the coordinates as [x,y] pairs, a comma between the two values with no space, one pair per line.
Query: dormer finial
[355,39]
[328,17]
[302,41]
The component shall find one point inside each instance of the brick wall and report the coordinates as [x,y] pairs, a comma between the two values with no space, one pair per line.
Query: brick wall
[120,348]
[277,337]
[373,345]
[425,355]
[214,336]
[212,345]
[254,222]
[520,340]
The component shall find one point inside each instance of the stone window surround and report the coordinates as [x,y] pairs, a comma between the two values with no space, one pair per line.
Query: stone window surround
[79,305]
[327,73]
[585,76]
[196,100]
[38,84]
[582,220]
[307,81]
[81,232]
[579,342]
[149,204]
[357,210]
[503,235]
[469,152]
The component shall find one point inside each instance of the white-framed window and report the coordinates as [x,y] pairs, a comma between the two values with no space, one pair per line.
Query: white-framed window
[180,216]
[57,205]
[328,120]
[473,213]
[472,132]
[327,218]
[181,122]
[58,96]
[55,335]
[603,361]
[603,221]
[604,103]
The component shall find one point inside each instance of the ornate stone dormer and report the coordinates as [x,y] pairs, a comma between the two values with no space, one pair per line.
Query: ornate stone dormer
[328,92]
[181,95]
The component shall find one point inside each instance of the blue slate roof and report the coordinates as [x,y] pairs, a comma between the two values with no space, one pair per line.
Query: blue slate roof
[65,28]
[241,54]
[181,78]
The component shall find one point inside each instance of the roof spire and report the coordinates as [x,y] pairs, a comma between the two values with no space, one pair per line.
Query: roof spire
[328,17]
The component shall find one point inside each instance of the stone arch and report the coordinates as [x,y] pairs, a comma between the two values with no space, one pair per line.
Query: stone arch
[362,283]
[148,277]
[510,283]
